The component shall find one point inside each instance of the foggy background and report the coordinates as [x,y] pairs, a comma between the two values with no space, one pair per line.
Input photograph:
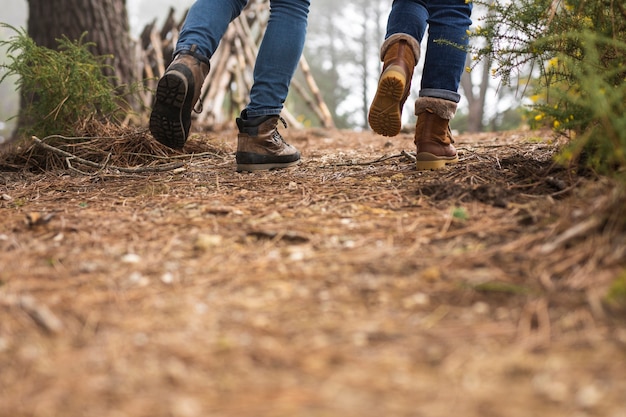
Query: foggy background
[342,47]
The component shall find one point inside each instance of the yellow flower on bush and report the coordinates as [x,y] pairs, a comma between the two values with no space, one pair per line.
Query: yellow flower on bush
[535,97]
[587,22]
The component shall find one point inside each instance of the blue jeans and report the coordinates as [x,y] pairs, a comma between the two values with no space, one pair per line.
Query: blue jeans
[447,20]
[278,55]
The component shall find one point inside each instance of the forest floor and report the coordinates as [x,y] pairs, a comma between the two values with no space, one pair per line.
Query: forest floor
[349,285]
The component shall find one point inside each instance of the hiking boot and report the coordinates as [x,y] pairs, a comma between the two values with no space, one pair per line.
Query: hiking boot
[260,146]
[433,137]
[176,95]
[399,53]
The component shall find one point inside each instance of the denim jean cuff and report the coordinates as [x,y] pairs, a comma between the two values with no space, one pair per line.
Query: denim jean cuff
[251,114]
[440,93]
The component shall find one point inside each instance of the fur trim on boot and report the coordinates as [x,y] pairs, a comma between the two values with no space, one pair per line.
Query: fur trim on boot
[445,109]
[411,41]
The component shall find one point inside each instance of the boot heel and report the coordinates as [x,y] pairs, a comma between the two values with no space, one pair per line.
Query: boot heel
[166,119]
[432,162]
[385,116]
[177,92]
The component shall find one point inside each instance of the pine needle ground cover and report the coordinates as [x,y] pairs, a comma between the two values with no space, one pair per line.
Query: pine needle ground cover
[350,285]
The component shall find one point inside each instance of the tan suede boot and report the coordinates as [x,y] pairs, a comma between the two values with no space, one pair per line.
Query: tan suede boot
[399,53]
[177,93]
[260,145]
[432,133]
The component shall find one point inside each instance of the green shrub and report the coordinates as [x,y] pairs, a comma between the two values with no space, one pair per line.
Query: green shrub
[575,51]
[616,294]
[60,88]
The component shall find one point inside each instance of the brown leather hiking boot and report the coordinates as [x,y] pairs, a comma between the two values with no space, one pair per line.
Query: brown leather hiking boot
[432,133]
[177,93]
[260,146]
[399,53]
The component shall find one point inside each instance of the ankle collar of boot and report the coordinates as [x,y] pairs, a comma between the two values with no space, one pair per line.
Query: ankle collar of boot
[445,109]
[194,53]
[397,37]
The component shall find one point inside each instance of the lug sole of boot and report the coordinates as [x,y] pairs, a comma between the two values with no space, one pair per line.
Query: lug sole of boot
[265,167]
[166,120]
[385,115]
[427,161]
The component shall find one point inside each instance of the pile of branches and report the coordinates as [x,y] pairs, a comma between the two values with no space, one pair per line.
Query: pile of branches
[102,146]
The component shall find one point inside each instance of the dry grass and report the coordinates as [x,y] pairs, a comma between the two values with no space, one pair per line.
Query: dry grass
[350,285]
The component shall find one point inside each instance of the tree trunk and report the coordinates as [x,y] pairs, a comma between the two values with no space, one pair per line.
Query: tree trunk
[106,24]
[364,60]
[476,101]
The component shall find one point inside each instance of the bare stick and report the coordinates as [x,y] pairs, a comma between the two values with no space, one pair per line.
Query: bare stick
[381,159]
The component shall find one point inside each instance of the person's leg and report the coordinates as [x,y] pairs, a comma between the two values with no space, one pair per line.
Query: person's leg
[206,23]
[399,53]
[409,17]
[180,87]
[444,64]
[259,144]
[278,57]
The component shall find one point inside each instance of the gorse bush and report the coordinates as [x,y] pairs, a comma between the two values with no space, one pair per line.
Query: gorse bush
[60,89]
[575,51]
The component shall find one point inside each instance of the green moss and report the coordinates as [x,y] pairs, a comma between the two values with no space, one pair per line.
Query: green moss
[616,295]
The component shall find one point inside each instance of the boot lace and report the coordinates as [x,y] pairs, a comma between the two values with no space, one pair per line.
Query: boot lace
[276,136]
[198,107]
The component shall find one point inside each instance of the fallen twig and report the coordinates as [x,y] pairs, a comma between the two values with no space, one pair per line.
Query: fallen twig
[579,229]
[381,159]
[38,312]
[408,156]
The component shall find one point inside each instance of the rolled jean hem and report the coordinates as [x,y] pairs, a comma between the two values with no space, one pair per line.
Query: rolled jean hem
[258,113]
[440,93]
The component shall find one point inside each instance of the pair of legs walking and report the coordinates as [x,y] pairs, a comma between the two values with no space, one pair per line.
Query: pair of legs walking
[447,22]
[259,145]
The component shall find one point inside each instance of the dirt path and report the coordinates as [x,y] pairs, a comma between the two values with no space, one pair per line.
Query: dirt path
[350,285]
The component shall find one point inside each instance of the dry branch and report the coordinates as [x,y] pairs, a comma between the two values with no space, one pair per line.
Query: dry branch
[37,311]
[378,160]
